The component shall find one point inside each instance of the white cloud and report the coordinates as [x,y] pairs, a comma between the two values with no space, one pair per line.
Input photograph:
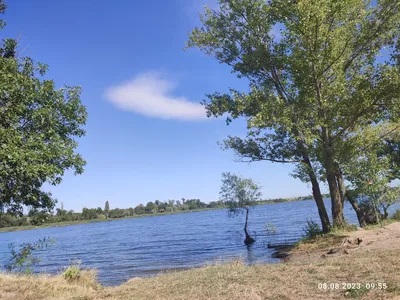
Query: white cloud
[149,94]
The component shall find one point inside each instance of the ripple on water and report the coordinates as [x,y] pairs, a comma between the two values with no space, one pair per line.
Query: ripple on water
[147,246]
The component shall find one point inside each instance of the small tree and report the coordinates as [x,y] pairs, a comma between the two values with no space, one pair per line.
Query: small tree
[369,175]
[107,209]
[239,194]
[22,257]
[390,196]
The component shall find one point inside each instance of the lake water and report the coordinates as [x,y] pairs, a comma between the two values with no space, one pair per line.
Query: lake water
[147,246]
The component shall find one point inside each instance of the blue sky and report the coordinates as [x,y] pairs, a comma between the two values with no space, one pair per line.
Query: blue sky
[147,136]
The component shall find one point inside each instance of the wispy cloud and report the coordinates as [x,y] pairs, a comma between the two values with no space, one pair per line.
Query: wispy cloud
[150,94]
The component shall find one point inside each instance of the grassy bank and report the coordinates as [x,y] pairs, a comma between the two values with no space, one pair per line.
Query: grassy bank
[293,280]
[69,223]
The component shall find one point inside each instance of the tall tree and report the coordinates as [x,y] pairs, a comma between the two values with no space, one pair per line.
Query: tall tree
[315,78]
[107,208]
[39,125]
[239,194]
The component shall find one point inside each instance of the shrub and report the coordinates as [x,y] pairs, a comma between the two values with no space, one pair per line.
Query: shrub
[312,229]
[73,272]
[270,228]
[101,217]
[7,220]
[22,257]
[396,215]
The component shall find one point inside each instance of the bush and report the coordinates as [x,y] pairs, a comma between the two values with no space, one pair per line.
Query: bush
[8,220]
[312,229]
[270,228]
[101,217]
[22,256]
[396,215]
[73,272]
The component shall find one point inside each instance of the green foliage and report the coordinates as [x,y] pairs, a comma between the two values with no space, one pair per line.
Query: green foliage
[119,213]
[312,230]
[22,256]
[3,7]
[107,208]
[357,293]
[89,213]
[39,217]
[140,210]
[389,196]
[396,215]
[238,193]
[374,200]
[391,149]
[270,228]
[39,124]
[73,272]
[151,208]
[319,94]
[7,220]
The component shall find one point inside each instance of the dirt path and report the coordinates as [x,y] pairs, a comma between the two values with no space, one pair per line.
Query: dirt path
[385,238]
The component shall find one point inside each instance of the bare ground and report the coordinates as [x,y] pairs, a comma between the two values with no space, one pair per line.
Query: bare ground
[362,257]
[384,238]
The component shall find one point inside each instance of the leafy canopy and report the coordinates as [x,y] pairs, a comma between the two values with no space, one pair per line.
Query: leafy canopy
[319,72]
[39,125]
[239,193]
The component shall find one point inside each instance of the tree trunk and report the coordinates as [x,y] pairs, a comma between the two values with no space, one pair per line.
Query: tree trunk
[337,207]
[249,240]
[385,212]
[341,185]
[323,215]
[357,209]
[329,165]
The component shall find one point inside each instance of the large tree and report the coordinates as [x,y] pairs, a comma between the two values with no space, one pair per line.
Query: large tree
[316,79]
[39,125]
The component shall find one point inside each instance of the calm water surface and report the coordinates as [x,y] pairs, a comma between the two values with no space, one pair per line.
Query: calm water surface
[147,246]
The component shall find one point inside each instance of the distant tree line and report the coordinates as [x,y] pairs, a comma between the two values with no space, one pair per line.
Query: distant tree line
[36,217]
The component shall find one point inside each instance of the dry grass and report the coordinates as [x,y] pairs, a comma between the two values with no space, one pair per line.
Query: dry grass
[48,287]
[321,242]
[293,280]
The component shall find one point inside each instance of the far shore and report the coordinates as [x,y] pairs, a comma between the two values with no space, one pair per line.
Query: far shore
[80,222]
